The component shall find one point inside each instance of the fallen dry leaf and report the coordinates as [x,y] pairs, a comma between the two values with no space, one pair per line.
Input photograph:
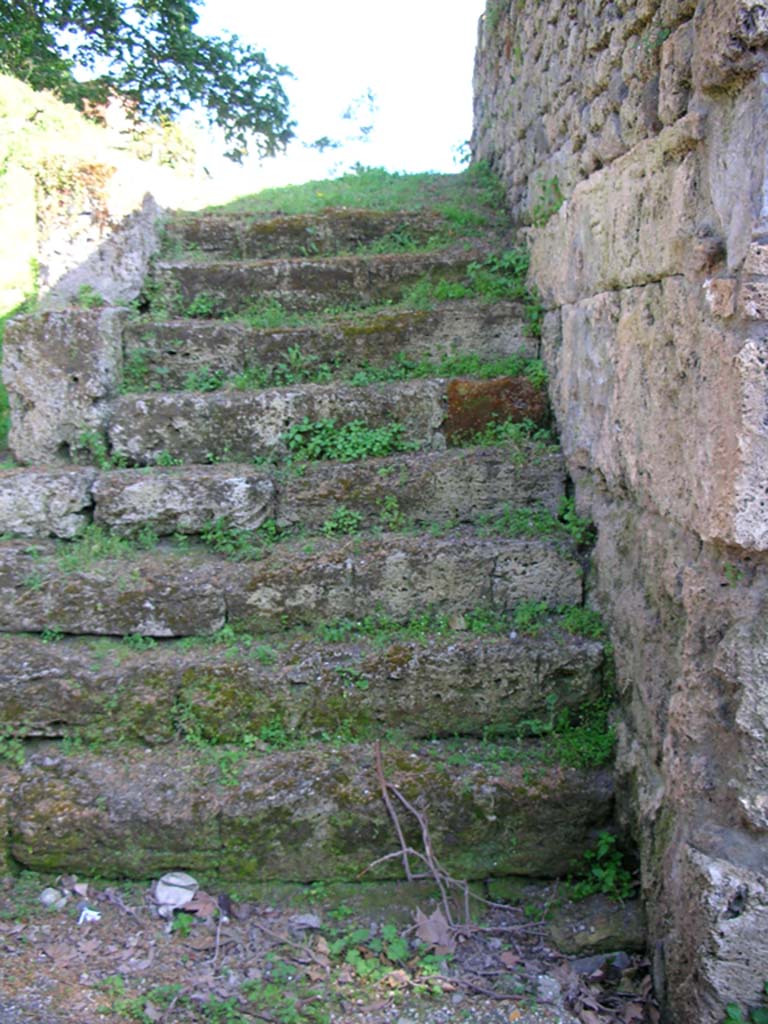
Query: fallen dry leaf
[634,1013]
[509,959]
[204,905]
[435,931]
[60,952]
[397,979]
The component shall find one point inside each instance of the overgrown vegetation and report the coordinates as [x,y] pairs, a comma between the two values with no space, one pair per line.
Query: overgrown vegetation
[603,869]
[475,194]
[314,440]
[537,521]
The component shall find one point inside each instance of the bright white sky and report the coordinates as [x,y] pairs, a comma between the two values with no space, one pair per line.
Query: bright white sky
[416,56]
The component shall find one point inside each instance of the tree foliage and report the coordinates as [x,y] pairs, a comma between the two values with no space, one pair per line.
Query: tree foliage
[149,52]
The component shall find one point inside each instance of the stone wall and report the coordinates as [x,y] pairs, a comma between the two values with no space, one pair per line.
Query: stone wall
[649,120]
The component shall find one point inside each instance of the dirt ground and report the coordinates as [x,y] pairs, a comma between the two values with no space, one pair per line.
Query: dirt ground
[221,961]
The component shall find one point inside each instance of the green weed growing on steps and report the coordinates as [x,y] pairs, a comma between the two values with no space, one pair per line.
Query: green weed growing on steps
[94,445]
[298,368]
[239,544]
[325,439]
[94,544]
[537,521]
[603,870]
[343,521]
[88,298]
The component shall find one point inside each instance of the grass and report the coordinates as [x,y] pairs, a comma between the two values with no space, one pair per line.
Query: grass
[300,368]
[473,195]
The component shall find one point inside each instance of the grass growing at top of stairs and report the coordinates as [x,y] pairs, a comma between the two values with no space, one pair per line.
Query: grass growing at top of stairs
[464,199]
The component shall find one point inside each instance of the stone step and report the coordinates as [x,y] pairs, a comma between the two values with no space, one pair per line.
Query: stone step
[231,426]
[303,815]
[162,354]
[459,684]
[216,288]
[451,486]
[427,488]
[165,593]
[265,236]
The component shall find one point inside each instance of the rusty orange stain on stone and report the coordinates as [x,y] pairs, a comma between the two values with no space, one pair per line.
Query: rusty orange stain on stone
[473,404]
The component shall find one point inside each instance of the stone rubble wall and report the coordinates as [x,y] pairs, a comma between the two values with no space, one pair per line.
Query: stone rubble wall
[654,270]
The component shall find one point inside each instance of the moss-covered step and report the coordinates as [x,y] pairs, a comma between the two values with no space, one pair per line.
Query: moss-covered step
[165,593]
[163,354]
[239,236]
[460,684]
[300,285]
[453,486]
[202,427]
[302,815]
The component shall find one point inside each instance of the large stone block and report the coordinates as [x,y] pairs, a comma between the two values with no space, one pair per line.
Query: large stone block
[99,690]
[240,425]
[455,685]
[60,370]
[152,596]
[432,487]
[627,224]
[303,285]
[664,402]
[302,815]
[279,235]
[166,353]
[723,894]
[400,576]
[183,500]
[40,503]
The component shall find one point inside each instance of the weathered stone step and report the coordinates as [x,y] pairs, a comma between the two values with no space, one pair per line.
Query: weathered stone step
[241,236]
[456,685]
[166,594]
[453,486]
[164,353]
[301,815]
[300,285]
[231,426]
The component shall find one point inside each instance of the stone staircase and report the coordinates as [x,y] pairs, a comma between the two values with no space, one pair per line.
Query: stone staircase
[216,600]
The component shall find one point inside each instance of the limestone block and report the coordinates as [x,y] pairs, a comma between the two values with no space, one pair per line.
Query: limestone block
[753,300]
[400,575]
[60,369]
[721,953]
[664,402]
[756,261]
[627,224]
[454,486]
[729,38]
[741,662]
[303,815]
[152,596]
[721,296]
[39,503]
[675,74]
[183,500]
[238,425]
[51,690]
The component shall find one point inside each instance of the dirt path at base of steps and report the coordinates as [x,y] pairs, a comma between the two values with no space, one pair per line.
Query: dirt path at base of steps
[257,962]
